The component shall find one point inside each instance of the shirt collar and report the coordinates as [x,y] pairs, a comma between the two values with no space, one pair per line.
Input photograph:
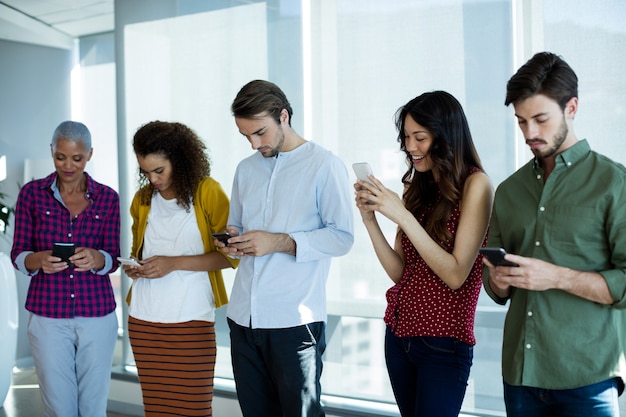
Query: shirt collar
[568,157]
[51,183]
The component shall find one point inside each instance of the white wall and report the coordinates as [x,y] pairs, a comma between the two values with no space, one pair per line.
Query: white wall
[35,85]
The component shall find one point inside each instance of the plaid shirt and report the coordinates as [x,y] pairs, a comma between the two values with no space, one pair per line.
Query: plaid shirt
[40,220]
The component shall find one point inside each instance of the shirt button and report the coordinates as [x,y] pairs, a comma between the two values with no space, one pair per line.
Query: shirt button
[71,276]
[538,176]
[528,346]
[569,163]
[530,314]
[542,209]
[537,243]
[47,213]
[69,235]
[72,295]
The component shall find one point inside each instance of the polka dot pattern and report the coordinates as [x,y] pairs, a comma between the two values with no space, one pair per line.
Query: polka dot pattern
[421,304]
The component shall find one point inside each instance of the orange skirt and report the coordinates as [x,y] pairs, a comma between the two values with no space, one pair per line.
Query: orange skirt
[175,363]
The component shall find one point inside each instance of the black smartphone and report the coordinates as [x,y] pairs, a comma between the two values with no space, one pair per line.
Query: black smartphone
[63,251]
[496,256]
[222,237]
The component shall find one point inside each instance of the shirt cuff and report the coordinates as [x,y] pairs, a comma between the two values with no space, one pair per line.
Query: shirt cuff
[302,244]
[20,261]
[108,264]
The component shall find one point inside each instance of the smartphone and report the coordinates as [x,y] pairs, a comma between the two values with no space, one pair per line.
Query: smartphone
[362,170]
[128,261]
[63,251]
[222,237]
[496,256]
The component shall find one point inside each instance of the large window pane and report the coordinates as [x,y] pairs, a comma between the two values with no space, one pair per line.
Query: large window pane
[347,65]
[591,37]
[369,58]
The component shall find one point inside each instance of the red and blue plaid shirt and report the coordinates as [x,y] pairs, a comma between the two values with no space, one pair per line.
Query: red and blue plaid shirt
[40,220]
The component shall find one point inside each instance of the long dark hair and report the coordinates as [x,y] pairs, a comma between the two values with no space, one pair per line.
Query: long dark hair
[185,151]
[452,153]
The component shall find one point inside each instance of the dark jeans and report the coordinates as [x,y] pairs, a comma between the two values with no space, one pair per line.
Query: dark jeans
[596,400]
[277,371]
[428,374]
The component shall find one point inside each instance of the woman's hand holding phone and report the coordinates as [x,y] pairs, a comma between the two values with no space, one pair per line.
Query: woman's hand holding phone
[128,261]
[363,171]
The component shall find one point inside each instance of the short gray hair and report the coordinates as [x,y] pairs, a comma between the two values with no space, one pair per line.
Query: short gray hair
[72,131]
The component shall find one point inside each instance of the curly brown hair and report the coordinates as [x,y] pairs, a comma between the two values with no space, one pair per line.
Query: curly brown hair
[180,145]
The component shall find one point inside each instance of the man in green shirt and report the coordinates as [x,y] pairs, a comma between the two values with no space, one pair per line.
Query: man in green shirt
[562,218]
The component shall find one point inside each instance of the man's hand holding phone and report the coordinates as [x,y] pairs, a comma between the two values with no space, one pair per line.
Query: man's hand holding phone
[222,237]
[500,279]
[495,256]
[254,243]
[221,241]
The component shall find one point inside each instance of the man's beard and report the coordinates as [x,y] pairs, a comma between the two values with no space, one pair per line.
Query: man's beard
[279,145]
[559,138]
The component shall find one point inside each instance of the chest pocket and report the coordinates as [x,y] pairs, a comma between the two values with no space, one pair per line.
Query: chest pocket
[51,224]
[575,227]
[55,225]
[90,225]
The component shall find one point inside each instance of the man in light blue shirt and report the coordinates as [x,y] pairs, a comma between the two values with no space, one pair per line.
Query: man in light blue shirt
[290,213]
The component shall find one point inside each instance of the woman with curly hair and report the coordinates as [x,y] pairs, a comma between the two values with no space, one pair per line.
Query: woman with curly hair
[178,285]
[442,220]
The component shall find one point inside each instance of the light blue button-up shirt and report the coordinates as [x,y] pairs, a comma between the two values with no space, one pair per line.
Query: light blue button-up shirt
[305,193]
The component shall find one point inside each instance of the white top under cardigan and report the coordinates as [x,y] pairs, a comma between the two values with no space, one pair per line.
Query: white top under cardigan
[179,296]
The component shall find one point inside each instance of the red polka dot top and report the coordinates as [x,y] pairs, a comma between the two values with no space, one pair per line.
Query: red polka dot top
[421,304]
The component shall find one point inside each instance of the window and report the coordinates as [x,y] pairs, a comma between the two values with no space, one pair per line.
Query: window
[346,66]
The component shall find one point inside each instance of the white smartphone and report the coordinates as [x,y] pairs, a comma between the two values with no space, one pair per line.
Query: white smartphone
[362,170]
[128,261]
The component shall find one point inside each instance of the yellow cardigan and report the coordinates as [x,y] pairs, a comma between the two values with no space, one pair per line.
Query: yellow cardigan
[211,206]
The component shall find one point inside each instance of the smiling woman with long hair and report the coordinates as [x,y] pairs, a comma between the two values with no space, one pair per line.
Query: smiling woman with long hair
[434,264]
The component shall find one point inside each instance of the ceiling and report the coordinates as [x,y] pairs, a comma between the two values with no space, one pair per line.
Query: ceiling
[54,23]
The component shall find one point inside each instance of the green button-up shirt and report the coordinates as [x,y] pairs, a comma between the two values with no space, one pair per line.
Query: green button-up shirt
[577,219]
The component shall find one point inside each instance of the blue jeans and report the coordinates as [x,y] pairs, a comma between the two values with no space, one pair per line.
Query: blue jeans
[428,374]
[277,371]
[596,400]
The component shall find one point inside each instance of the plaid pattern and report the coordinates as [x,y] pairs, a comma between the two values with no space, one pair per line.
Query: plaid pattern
[41,220]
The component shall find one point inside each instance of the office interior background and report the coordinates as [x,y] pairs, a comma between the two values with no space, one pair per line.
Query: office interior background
[347,66]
